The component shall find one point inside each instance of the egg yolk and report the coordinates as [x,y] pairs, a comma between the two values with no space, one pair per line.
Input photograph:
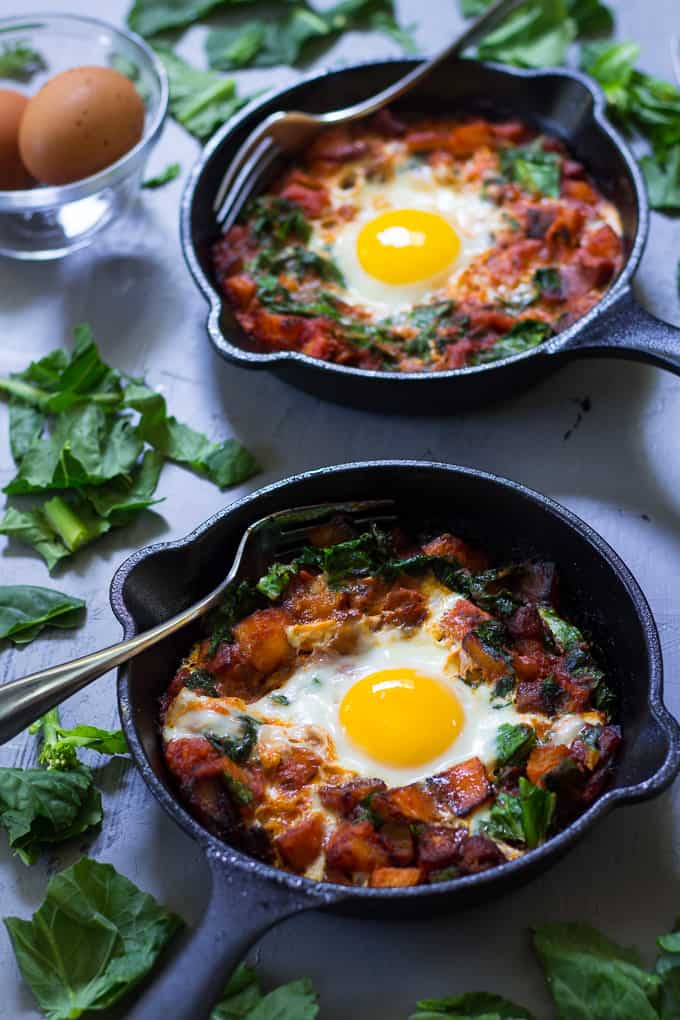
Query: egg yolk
[406,245]
[401,717]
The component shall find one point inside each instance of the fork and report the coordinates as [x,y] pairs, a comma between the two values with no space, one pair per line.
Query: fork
[286,133]
[279,535]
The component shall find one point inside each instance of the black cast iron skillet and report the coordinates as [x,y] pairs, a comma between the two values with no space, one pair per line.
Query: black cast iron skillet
[563,103]
[248,897]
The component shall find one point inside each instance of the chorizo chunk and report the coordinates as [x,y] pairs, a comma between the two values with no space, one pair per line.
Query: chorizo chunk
[479,854]
[440,846]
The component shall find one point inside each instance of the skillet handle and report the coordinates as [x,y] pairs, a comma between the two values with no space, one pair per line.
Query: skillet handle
[242,907]
[625,330]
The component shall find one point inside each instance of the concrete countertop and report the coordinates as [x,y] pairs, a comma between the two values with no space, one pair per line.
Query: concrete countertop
[618,468]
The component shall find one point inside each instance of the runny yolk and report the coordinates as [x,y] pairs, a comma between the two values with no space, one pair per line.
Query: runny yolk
[401,717]
[406,246]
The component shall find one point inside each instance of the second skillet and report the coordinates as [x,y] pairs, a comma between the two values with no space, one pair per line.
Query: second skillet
[563,103]
[248,896]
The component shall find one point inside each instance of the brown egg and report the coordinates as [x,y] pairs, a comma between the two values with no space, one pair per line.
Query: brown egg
[78,123]
[13,173]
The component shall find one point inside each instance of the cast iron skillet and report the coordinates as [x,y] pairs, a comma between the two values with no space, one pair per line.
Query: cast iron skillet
[563,103]
[248,897]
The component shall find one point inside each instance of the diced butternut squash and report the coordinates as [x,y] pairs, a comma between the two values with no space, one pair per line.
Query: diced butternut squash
[462,787]
[393,878]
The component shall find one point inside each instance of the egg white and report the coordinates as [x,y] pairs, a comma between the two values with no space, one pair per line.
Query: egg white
[473,218]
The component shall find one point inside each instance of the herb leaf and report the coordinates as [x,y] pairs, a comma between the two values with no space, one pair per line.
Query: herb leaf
[95,936]
[20,61]
[243,1000]
[471,1006]
[536,35]
[25,610]
[566,636]
[663,179]
[200,100]
[592,978]
[524,819]
[532,168]
[523,336]
[239,747]
[171,172]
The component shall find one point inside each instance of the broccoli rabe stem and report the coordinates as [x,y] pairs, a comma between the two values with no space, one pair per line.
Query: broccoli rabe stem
[70,528]
[55,753]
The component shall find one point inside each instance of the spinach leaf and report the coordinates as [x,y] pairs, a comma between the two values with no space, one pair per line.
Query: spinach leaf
[285,39]
[239,747]
[25,610]
[592,978]
[532,168]
[227,463]
[238,601]
[663,179]
[299,262]
[471,1006]
[524,335]
[200,100]
[243,1000]
[592,17]
[357,557]
[202,680]
[171,172]
[121,498]
[94,938]
[668,969]
[523,819]
[536,35]
[514,743]
[276,220]
[26,425]
[40,806]
[20,61]
[151,17]
[31,526]
[566,636]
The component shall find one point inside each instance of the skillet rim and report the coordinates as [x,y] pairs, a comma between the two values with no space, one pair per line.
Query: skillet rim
[512,871]
[229,350]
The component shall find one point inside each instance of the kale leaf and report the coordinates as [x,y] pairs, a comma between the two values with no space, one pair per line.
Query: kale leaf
[25,610]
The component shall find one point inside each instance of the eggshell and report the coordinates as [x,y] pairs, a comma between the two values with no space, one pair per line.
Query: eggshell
[13,173]
[80,122]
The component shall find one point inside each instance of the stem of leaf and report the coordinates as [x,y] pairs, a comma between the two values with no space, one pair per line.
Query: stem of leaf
[72,531]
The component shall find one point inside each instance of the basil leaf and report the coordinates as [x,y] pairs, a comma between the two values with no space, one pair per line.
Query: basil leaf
[171,172]
[471,1006]
[592,17]
[20,61]
[94,938]
[25,610]
[611,64]
[200,100]
[592,978]
[227,463]
[536,35]
[39,806]
[566,636]
[514,743]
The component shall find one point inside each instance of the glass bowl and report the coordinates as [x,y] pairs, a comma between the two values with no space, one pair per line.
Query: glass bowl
[47,222]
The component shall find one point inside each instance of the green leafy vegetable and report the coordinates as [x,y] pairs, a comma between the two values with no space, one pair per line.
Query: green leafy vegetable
[93,939]
[548,281]
[20,61]
[122,497]
[299,262]
[238,601]
[592,978]
[471,1006]
[171,172]
[241,793]
[31,526]
[592,17]
[523,819]
[611,64]
[566,636]
[536,35]
[514,743]
[38,807]
[59,744]
[200,100]
[151,17]
[242,999]
[285,39]
[668,969]
[276,220]
[663,179]
[237,747]
[202,680]
[276,580]
[25,610]
[524,335]
[532,167]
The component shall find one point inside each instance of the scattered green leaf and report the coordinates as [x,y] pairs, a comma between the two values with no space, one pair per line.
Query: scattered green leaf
[200,100]
[514,743]
[20,61]
[171,172]
[25,610]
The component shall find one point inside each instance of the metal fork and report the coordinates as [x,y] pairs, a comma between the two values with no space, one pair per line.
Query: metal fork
[278,536]
[286,133]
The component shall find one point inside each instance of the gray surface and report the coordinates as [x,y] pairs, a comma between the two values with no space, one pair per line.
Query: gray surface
[620,470]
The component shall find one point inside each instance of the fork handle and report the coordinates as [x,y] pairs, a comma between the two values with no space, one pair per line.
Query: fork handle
[25,700]
[488,20]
